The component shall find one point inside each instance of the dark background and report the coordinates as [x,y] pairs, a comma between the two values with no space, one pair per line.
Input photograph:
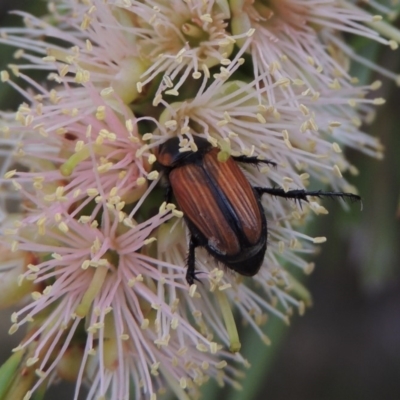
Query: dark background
[347,346]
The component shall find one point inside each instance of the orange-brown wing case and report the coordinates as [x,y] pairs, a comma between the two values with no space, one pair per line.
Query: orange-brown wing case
[238,192]
[196,197]
[218,200]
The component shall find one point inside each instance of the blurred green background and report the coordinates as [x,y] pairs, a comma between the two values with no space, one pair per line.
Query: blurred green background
[347,346]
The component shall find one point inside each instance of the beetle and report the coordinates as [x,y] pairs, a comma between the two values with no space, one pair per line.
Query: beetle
[221,209]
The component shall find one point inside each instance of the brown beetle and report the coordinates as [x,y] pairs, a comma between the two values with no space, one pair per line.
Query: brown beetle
[222,210]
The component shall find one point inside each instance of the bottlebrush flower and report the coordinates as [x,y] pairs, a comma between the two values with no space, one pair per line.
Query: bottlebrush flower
[92,278]
[299,41]
[89,236]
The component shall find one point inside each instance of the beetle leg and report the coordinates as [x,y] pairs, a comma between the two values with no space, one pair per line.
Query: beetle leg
[168,194]
[253,160]
[191,261]
[301,194]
